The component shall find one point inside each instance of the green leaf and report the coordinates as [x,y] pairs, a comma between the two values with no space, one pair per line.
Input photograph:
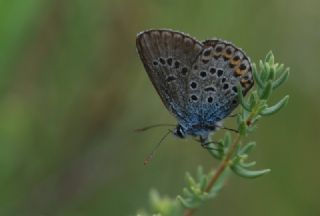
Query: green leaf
[253,123]
[261,67]
[243,172]
[265,73]
[227,140]
[275,108]
[218,154]
[279,69]
[270,58]
[272,73]
[247,164]
[190,179]
[243,103]
[256,76]
[187,204]
[252,100]
[202,178]
[186,192]
[200,173]
[282,78]
[266,92]
[243,128]
[246,149]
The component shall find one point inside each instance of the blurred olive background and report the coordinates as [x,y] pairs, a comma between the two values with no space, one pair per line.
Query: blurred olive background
[72,90]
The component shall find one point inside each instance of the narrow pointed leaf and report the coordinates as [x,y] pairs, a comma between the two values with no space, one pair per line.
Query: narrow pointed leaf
[218,154]
[272,73]
[247,164]
[282,78]
[190,179]
[203,183]
[246,149]
[200,174]
[186,203]
[243,128]
[261,67]
[265,94]
[243,103]
[270,58]
[186,192]
[252,100]
[265,73]
[243,172]
[256,76]
[275,108]
[279,69]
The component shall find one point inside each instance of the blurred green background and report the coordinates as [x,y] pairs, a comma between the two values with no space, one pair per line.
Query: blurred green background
[72,90]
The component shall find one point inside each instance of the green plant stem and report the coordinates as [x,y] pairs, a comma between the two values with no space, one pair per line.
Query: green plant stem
[223,165]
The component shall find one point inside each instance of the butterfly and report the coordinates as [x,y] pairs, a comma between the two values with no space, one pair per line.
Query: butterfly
[196,81]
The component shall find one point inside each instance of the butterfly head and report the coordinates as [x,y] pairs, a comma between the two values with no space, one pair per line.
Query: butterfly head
[179,132]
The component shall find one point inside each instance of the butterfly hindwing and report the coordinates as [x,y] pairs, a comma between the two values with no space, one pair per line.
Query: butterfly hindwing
[220,68]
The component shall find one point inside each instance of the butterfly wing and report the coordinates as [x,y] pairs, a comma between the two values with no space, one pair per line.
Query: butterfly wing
[217,71]
[167,57]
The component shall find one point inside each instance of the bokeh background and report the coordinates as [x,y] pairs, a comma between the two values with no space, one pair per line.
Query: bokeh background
[72,89]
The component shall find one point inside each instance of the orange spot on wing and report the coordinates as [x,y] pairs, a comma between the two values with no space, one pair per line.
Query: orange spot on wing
[234,62]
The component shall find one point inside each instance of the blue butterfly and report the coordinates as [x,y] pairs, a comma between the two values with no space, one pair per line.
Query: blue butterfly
[197,81]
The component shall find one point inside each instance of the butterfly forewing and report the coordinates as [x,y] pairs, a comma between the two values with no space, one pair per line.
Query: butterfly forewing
[167,57]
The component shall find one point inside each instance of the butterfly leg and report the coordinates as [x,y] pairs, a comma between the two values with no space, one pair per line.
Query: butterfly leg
[206,145]
[233,115]
[229,129]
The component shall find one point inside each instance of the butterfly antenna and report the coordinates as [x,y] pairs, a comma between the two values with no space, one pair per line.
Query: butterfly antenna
[151,155]
[153,126]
